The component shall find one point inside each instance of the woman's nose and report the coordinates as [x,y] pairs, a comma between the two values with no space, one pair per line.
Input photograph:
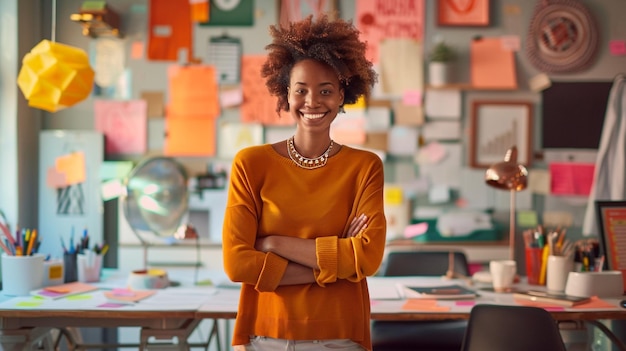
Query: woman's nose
[312,100]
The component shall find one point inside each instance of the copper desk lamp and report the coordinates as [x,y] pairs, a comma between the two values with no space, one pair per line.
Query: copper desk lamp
[512,176]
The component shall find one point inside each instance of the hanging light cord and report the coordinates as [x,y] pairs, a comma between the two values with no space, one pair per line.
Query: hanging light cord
[54,20]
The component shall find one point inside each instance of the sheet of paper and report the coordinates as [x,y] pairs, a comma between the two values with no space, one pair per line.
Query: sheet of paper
[408,115]
[349,129]
[382,19]
[193,92]
[124,124]
[571,178]
[401,66]
[447,171]
[443,104]
[236,136]
[539,181]
[258,105]
[441,130]
[402,141]
[190,136]
[492,65]
[72,166]
[155,101]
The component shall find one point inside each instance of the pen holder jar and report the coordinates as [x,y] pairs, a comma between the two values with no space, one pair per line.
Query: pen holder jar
[21,274]
[534,262]
[89,267]
[69,263]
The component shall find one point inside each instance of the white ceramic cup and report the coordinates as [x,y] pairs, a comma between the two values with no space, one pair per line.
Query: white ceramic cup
[502,274]
[89,267]
[557,271]
[21,274]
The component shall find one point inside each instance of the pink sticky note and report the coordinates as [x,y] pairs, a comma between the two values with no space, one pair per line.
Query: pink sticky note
[569,178]
[412,98]
[617,47]
[55,179]
[414,230]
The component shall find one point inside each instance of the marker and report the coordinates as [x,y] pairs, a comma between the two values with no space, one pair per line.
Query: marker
[31,241]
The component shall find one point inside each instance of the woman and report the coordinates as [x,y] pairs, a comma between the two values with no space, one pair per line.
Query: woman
[304,223]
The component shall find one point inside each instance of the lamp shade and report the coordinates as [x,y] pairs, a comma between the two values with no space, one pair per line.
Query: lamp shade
[508,174]
[55,76]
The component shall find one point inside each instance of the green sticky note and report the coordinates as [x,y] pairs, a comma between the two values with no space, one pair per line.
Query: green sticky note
[527,219]
[93,5]
[115,169]
[79,297]
[30,303]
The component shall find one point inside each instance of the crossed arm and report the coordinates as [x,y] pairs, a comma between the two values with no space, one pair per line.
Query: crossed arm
[301,252]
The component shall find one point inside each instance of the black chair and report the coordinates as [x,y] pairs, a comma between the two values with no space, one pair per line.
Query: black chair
[420,335]
[511,328]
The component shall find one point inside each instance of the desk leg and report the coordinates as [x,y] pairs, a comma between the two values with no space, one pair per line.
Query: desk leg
[22,339]
[168,336]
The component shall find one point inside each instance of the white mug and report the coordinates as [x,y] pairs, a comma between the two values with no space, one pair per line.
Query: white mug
[502,274]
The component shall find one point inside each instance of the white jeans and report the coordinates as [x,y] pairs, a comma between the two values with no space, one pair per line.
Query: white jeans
[262,343]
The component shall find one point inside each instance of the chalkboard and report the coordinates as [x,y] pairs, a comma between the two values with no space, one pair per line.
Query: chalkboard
[573,114]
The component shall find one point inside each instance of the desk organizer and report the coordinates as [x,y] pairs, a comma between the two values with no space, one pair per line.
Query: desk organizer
[600,284]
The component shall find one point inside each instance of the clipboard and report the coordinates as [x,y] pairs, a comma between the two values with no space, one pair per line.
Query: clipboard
[225,54]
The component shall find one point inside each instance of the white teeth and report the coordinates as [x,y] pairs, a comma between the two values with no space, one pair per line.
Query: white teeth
[313,116]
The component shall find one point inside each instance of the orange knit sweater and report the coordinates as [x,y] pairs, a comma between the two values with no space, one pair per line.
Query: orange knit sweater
[270,195]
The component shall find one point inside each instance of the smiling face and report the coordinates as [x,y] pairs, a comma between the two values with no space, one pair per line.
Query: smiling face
[315,95]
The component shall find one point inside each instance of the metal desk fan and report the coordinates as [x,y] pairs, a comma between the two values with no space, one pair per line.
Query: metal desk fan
[156,202]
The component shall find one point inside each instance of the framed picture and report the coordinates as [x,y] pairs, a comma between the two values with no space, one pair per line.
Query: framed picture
[463,13]
[611,217]
[496,126]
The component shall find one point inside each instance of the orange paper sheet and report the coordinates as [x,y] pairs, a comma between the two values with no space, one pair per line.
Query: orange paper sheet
[169,29]
[189,137]
[595,303]
[193,92]
[492,64]
[258,105]
[424,305]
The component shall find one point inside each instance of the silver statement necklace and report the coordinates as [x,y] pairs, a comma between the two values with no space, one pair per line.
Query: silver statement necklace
[307,163]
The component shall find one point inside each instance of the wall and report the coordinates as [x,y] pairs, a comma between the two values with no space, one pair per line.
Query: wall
[508,18]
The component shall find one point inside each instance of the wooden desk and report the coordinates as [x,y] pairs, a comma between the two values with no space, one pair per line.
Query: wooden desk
[20,325]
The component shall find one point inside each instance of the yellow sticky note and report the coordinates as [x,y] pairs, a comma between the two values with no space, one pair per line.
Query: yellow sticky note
[393,195]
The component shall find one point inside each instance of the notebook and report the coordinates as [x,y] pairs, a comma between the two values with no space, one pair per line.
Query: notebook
[453,291]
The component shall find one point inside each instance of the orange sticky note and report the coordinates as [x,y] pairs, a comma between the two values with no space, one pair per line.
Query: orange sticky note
[73,166]
[492,64]
[58,290]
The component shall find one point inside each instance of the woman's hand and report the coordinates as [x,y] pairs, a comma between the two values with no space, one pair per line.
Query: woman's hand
[357,225]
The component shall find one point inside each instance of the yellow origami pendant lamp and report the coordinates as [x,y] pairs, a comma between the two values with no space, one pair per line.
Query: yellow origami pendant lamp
[55,76]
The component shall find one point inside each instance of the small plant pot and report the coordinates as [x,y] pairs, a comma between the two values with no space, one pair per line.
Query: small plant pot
[438,73]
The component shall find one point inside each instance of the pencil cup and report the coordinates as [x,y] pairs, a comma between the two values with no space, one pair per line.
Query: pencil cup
[557,271]
[89,267]
[21,274]
[533,264]
[53,272]
[70,273]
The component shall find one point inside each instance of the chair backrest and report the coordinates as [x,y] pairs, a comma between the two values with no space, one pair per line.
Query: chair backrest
[424,263]
[511,328]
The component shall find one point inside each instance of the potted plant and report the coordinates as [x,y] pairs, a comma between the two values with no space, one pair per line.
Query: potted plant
[439,66]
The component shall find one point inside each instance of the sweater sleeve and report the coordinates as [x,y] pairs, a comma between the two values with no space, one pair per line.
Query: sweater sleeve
[360,256]
[242,262]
